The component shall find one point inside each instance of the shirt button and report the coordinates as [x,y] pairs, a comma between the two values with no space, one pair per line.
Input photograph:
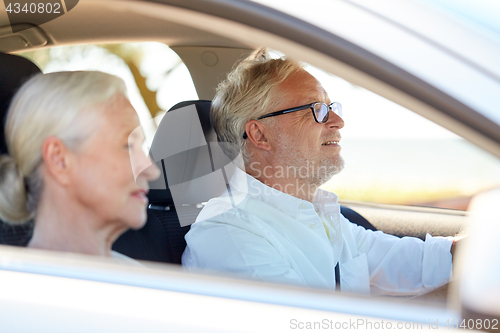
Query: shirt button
[312,225]
[303,205]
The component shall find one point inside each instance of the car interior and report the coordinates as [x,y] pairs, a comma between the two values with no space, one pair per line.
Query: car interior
[209,56]
[162,238]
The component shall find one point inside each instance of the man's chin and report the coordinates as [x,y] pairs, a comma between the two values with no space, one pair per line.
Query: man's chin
[338,165]
[332,169]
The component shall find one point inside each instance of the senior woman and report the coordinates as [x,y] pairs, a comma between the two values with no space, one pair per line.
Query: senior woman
[75,162]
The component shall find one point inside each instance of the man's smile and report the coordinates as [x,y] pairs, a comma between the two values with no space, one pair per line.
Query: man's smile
[328,143]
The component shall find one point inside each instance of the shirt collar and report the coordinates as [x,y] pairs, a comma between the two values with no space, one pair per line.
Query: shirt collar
[243,183]
[326,201]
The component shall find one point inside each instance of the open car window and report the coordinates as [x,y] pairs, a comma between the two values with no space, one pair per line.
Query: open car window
[392,155]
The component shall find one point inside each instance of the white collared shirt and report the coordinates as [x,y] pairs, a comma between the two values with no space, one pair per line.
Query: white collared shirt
[261,233]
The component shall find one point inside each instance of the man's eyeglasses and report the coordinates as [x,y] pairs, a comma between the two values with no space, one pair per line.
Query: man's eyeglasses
[319,110]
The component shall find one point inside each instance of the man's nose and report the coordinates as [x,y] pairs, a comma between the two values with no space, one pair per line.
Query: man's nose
[334,120]
[145,168]
[151,172]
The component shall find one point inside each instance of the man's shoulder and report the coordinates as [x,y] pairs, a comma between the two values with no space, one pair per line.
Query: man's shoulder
[219,221]
[244,212]
[225,205]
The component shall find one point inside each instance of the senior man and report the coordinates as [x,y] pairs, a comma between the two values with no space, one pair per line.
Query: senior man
[274,223]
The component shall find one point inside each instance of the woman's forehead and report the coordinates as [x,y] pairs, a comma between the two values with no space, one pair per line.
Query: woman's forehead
[119,119]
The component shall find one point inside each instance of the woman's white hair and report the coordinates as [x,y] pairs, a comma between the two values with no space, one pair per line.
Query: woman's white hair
[63,105]
[250,91]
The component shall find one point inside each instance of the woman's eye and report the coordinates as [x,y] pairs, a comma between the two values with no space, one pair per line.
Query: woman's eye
[128,146]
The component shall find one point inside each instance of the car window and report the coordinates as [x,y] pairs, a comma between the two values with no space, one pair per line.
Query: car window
[156,77]
[394,156]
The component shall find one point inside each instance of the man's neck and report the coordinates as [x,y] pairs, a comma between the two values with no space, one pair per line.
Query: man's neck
[281,179]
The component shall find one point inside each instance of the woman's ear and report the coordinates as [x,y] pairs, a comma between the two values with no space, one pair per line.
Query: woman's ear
[56,159]
[258,134]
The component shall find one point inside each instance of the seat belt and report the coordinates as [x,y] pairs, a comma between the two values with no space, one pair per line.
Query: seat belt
[337,268]
[337,277]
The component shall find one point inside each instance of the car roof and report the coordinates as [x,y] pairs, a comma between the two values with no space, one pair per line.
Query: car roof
[105,21]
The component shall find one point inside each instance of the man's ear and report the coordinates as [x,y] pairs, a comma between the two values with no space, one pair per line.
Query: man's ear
[256,133]
[56,159]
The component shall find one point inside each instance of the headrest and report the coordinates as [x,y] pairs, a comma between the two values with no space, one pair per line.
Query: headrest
[194,168]
[203,110]
[14,71]
[166,135]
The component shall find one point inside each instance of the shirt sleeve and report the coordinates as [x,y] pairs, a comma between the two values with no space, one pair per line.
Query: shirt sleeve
[404,266]
[224,248]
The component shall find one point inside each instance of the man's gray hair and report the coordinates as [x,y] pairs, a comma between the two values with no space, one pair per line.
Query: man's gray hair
[250,91]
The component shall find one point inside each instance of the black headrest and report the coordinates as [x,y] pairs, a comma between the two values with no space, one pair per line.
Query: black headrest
[193,165]
[203,109]
[160,192]
[14,71]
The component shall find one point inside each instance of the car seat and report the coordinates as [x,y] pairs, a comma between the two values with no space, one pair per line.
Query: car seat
[198,159]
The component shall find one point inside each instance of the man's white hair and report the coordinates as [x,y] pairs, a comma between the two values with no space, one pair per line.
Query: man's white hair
[250,91]
[63,105]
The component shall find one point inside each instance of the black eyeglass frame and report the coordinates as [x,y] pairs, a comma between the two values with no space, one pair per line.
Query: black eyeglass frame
[299,108]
